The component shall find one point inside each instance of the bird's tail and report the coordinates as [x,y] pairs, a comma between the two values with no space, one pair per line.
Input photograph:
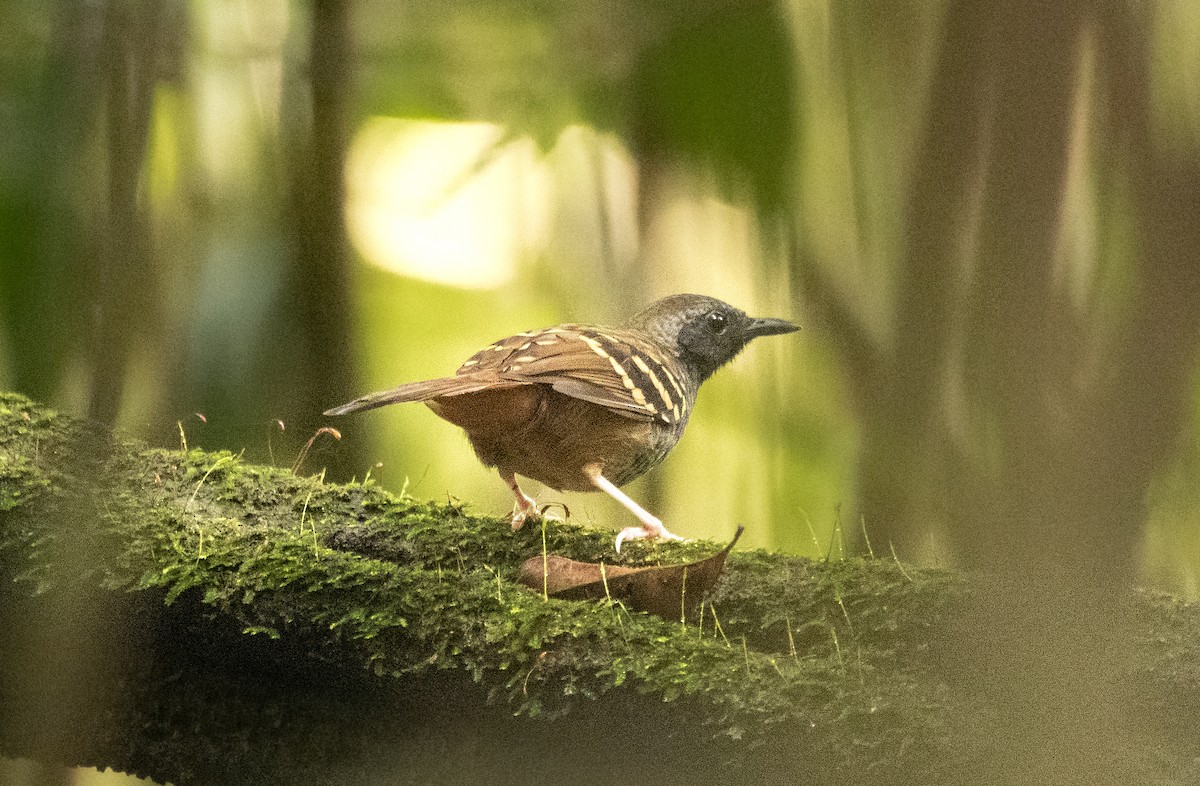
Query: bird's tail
[421,391]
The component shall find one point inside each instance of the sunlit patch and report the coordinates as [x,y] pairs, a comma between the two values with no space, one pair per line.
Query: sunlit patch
[453,203]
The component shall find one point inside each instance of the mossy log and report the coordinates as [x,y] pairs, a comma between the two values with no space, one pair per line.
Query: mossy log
[193,618]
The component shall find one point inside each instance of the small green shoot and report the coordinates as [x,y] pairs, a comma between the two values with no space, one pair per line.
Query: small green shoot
[837,595]
[304,512]
[683,601]
[546,566]
[717,624]
[899,564]
[862,523]
[276,424]
[183,446]
[791,639]
[217,463]
[836,535]
[811,531]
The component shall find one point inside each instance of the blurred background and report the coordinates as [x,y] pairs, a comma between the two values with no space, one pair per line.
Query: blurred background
[218,218]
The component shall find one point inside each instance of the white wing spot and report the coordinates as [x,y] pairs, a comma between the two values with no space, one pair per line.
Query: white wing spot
[662,391]
[634,390]
[632,387]
[675,384]
[621,372]
[594,345]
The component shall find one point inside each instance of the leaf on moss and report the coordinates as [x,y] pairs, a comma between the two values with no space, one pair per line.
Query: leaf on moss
[670,591]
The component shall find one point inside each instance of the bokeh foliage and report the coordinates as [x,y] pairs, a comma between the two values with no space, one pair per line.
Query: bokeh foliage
[984,214]
[924,187]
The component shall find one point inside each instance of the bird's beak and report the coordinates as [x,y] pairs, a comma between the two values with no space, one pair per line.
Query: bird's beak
[769,327]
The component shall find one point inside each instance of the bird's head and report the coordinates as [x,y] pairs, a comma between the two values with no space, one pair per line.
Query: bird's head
[705,333]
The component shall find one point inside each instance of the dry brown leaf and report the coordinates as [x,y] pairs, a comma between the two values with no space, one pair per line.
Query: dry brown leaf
[670,591]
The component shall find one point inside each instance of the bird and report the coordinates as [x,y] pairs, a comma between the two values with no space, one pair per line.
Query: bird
[586,407]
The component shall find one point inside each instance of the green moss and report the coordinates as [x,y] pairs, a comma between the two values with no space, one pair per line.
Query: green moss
[403,587]
[796,666]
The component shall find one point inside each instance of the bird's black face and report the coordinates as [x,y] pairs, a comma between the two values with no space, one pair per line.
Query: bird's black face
[707,332]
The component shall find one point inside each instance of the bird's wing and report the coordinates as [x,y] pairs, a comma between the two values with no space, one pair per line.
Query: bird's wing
[613,369]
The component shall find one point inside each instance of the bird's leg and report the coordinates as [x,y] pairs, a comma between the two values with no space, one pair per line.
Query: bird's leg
[651,526]
[525,507]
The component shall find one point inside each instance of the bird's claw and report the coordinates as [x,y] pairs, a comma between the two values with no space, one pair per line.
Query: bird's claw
[520,515]
[646,532]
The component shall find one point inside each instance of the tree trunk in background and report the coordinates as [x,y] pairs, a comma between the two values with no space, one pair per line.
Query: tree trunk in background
[994,353]
[1037,640]
[1134,420]
[123,296]
[902,392]
[41,299]
[74,239]
[314,354]
[1035,440]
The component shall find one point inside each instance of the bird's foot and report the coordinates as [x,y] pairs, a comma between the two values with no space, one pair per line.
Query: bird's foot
[531,512]
[522,514]
[651,531]
[524,508]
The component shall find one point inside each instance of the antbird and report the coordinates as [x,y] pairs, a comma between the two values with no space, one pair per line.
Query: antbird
[587,408]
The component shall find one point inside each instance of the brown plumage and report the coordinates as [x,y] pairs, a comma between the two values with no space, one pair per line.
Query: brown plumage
[585,408]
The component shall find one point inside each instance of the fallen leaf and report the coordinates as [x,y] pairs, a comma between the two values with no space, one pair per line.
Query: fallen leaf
[670,591]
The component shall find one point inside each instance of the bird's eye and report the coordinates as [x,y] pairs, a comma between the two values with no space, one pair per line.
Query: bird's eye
[717,322]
